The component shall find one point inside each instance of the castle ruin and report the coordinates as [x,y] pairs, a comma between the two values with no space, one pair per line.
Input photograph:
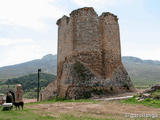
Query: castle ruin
[89,56]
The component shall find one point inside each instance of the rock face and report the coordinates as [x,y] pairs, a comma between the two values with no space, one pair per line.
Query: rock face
[89,56]
[152,89]
[152,93]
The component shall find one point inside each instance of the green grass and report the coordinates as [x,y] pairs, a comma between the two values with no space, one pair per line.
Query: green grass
[156,94]
[30,94]
[141,83]
[143,75]
[4,88]
[63,100]
[146,102]
[29,114]
[26,114]
[72,117]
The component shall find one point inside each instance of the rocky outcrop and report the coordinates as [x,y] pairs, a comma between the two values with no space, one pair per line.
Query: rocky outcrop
[89,56]
[49,92]
[152,93]
[152,89]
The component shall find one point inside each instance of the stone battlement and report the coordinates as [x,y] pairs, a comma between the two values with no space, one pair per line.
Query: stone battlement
[64,18]
[86,11]
[83,11]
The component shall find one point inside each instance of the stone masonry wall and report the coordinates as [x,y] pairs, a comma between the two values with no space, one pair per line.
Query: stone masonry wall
[49,92]
[110,39]
[91,42]
[89,56]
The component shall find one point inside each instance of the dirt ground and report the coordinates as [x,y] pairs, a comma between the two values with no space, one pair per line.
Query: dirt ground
[29,100]
[105,109]
[101,109]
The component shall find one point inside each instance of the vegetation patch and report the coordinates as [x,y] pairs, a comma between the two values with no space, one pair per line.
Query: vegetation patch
[156,94]
[99,90]
[72,117]
[29,83]
[29,114]
[80,69]
[126,86]
[58,99]
[146,102]
[26,114]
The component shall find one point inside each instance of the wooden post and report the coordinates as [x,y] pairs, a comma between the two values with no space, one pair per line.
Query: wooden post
[39,70]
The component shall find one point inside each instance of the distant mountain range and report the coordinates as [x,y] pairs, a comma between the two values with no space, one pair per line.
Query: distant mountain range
[48,64]
[142,72]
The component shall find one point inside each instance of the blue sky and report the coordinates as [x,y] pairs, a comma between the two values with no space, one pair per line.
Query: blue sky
[28,27]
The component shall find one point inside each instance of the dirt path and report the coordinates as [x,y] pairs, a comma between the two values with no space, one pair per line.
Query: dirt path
[114,98]
[103,109]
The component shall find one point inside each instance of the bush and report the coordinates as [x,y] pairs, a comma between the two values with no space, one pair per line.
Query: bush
[126,86]
[156,94]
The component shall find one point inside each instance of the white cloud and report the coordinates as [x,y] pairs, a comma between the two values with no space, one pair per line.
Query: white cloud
[28,13]
[22,53]
[9,41]
[19,54]
[99,3]
[151,53]
[15,51]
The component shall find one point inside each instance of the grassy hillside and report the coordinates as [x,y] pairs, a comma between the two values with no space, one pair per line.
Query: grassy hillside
[48,64]
[144,73]
[29,83]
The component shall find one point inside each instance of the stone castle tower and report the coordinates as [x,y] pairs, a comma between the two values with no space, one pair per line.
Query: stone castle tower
[89,55]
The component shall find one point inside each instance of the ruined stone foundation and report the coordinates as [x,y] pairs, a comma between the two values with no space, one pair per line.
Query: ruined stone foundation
[89,56]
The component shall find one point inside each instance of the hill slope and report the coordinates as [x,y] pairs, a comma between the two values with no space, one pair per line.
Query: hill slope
[29,83]
[48,64]
[144,73]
